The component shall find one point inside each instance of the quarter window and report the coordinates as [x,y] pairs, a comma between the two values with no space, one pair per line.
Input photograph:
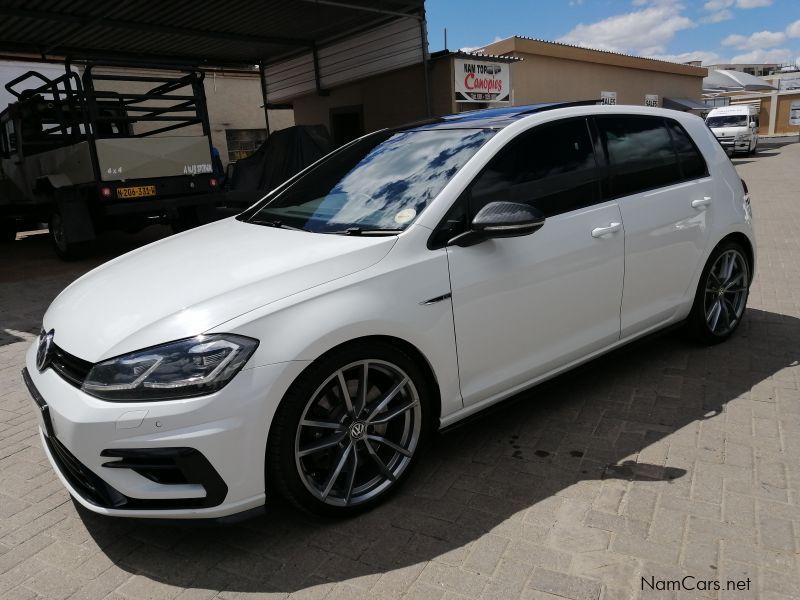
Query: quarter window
[640,154]
[692,163]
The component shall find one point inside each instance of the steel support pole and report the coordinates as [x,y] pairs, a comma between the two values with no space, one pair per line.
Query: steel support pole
[262,76]
[423,34]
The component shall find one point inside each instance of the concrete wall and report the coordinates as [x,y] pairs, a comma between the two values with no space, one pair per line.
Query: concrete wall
[547,79]
[553,72]
[387,100]
[234,102]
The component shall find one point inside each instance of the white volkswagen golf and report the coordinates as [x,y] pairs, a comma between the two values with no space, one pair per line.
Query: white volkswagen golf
[309,346]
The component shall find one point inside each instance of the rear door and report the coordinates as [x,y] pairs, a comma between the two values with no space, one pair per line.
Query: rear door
[525,306]
[665,195]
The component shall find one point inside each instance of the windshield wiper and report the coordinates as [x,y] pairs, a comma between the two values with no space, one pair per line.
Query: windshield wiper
[366,231]
[276,223]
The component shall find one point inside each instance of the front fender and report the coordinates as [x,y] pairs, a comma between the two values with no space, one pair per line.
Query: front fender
[384,300]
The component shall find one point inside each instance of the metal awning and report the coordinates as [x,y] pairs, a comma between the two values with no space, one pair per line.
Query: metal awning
[722,80]
[300,46]
[684,104]
[201,32]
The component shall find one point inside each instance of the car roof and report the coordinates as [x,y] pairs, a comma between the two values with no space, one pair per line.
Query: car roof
[492,118]
[738,109]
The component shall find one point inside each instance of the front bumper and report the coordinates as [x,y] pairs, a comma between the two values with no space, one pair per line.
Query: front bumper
[734,145]
[195,458]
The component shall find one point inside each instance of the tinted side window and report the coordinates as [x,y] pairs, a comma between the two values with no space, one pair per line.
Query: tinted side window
[552,168]
[640,154]
[693,165]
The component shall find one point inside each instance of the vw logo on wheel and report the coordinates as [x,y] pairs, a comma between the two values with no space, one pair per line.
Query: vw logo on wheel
[357,430]
[43,350]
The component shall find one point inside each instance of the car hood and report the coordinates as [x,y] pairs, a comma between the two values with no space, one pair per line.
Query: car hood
[187,284]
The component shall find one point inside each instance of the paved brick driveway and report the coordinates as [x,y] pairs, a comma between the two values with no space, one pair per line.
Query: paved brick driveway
[661,461]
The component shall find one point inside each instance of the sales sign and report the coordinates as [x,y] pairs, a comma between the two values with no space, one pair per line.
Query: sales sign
[608,98]
[651,100]
[482,81]
[794,113]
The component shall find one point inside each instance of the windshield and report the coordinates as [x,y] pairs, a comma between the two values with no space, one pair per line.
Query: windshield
[379,183]
[727,121]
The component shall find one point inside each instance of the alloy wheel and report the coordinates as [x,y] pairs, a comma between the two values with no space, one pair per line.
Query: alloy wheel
[358,432]
[726,292]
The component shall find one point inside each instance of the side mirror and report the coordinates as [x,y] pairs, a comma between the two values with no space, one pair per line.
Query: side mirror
[752,124]
[500,220]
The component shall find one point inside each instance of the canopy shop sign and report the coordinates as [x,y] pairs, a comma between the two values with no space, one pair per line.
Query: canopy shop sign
[481,81]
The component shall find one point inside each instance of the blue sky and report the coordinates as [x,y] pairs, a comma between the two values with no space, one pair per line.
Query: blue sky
[708,30]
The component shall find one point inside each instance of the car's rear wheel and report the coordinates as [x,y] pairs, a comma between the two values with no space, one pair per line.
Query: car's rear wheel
[721,296]
[349,429]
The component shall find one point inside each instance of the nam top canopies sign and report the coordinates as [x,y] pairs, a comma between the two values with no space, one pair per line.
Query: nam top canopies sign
[482,81]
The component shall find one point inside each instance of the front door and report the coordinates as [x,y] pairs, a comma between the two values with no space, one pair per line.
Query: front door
[528,305]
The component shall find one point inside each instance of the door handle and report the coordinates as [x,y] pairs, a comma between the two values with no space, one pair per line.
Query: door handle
[601,231]
[701,203]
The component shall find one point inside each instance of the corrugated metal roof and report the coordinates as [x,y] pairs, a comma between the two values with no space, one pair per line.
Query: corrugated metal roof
[241,32]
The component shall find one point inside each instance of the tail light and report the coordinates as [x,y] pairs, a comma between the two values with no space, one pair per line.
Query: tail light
[105,192]
[747,209]
[213,182]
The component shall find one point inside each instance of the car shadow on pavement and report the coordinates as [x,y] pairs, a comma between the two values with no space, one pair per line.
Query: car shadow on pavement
[504,473]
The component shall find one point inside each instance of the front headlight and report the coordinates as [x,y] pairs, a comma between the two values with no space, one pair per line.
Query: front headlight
[191,367]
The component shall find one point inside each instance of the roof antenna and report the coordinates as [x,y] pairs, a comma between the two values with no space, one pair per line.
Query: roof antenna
[445,39]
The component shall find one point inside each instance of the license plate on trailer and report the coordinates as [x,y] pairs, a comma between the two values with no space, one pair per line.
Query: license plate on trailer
[139,191]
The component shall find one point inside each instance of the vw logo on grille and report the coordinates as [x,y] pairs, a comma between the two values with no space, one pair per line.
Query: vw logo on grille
[43,351]
[357,430]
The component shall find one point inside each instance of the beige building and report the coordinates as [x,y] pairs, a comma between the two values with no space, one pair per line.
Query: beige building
[550,72]
[539,72]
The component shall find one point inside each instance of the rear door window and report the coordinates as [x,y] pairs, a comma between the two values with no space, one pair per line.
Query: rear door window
[640,154]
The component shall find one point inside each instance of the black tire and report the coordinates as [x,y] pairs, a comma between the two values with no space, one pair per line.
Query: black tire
[64,248]
[701,324]
[186,219]
[8,230]
[284,463]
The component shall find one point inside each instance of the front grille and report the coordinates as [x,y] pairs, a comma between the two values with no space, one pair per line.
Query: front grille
[726,138]
[72,369]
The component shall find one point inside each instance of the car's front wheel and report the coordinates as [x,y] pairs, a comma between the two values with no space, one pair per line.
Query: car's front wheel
[349,429]
[721,295]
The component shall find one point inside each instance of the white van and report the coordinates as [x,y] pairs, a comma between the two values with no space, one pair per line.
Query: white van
[736,127]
